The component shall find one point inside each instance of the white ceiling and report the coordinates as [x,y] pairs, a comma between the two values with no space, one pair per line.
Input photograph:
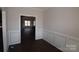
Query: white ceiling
[34,8]
[42,8]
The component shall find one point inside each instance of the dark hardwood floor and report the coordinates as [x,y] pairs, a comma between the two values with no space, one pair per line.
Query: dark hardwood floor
[34,46]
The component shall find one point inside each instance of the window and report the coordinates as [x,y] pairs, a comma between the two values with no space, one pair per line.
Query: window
[27,23]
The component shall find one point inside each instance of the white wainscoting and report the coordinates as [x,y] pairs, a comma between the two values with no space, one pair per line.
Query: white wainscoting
[14,37]
[62,41]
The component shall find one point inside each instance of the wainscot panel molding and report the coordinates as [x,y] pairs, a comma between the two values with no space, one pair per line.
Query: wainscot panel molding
[62,41]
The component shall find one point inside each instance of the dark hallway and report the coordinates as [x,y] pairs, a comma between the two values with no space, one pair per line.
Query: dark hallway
[27,29]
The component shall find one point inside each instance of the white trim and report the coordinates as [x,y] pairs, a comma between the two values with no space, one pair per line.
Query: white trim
[5,41]
[64,35]
[70,43]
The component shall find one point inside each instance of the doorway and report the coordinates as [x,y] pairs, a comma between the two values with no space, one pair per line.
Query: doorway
[27,29]
[1,35]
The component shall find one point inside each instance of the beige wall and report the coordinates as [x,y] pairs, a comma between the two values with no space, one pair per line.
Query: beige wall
[13,22]
[64,20]
[60,25]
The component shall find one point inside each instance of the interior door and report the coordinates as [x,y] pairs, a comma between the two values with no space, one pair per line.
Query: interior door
[1,37]
[27,29]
